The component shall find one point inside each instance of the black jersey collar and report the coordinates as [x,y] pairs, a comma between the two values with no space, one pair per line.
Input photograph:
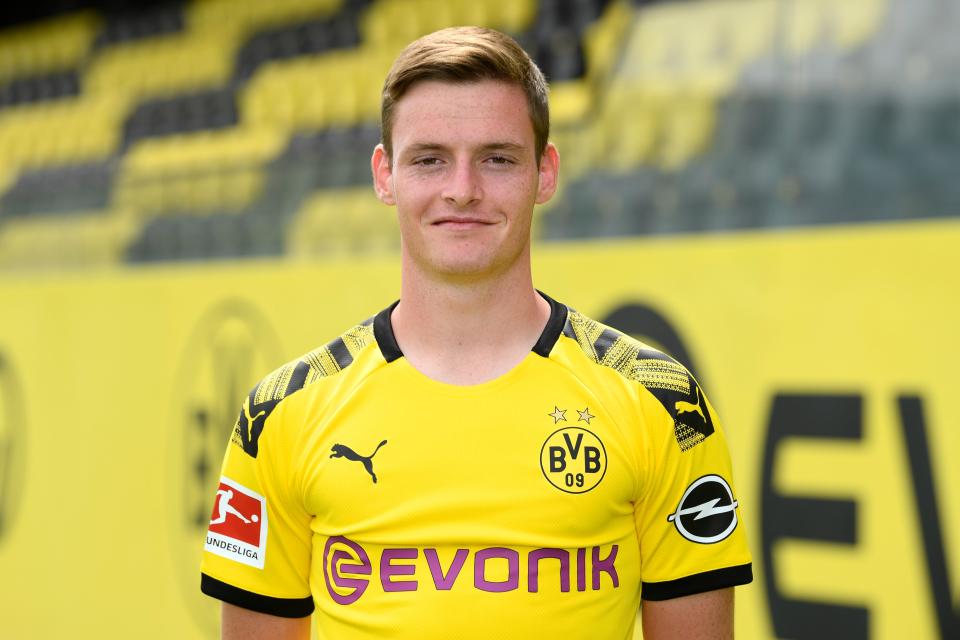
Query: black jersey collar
[387,341]
[383,333]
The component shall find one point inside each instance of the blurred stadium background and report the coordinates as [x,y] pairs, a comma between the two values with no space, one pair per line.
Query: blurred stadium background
[766,188]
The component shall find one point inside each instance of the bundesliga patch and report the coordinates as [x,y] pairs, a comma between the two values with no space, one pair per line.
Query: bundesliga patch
[238,524]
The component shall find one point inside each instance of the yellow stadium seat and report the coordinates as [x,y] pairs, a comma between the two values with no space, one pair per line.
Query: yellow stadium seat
[677,60]
[703,43]
[844,24]
[752,25]
[512,17]
[313,92]
[333,222]
[61,132]
[392,22]
[83,239]
[569,102]
[163,65]
[602,40]
[858,20]
[241,17]
[50,45]
[688,126]
[629,129]
[215,170]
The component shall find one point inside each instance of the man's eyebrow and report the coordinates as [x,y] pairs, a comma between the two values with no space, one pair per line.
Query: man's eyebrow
[424,146]
[420,147]
[510,146]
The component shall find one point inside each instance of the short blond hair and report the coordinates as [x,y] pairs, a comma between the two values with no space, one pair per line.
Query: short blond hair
[462,55]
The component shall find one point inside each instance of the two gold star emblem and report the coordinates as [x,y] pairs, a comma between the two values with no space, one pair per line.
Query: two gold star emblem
[560,415]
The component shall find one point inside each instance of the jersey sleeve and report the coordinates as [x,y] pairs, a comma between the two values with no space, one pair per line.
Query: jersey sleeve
[257,549]
[688,515]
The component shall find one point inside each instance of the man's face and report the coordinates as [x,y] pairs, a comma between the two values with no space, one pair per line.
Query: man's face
[464,177]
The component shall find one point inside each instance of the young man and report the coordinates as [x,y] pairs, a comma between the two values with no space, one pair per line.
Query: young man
[477,460]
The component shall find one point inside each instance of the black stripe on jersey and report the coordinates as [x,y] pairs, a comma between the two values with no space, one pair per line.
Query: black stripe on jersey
[292,377]
[383,333]
[298,378]
[696,423]
[602,344]
[340,353]
[554,327]
[283,607]
[697,583]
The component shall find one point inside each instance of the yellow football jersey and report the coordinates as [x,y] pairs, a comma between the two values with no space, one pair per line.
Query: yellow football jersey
[544,503]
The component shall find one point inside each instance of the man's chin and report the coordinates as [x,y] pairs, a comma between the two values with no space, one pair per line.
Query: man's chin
[464,269]
[466,266]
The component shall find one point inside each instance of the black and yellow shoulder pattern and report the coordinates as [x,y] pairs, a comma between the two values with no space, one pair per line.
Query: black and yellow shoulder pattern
[665,378]
[293,376]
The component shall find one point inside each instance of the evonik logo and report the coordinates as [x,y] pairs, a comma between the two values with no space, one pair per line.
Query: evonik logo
[347,569]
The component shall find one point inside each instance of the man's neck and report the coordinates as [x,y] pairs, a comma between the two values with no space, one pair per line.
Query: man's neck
[467,333]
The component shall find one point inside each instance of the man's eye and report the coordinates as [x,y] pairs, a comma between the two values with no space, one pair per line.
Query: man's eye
[427,162]
[500,160]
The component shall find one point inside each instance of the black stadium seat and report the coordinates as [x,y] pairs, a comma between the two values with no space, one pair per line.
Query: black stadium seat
[137,21]
[210,109]
[49,86]
[338,31]
[60,190]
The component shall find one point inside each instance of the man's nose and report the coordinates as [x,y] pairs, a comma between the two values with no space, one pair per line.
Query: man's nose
[463,185]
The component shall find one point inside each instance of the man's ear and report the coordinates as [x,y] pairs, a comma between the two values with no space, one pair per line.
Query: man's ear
[549,172]
[382,175]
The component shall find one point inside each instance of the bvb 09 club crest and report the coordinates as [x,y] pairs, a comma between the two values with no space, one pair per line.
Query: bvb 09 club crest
[232,346]
[573,458]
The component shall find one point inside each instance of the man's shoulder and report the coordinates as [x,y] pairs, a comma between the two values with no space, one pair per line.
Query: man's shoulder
[668,381]
[328,360]
[331,359]
[631,358]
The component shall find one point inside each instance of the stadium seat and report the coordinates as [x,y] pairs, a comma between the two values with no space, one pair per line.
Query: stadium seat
[569,102]
[391,24]
[296,94]
[139,23]
[603,39]
[59,190]
[875,179]
[61,132]
[51,45]
[339,31]
[934,155]
[239,18]
[208,171]
[82,240]
[213,236]
[730,183]
[334,222]
[601,204]
[184,113]
[629,128]
[162,66]
[813,148]
[687,126]
[37,88]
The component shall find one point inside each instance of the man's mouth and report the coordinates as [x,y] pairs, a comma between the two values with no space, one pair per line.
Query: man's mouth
[461,222]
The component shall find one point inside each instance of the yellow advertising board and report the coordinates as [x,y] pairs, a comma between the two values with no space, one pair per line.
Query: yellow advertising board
[830,354]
